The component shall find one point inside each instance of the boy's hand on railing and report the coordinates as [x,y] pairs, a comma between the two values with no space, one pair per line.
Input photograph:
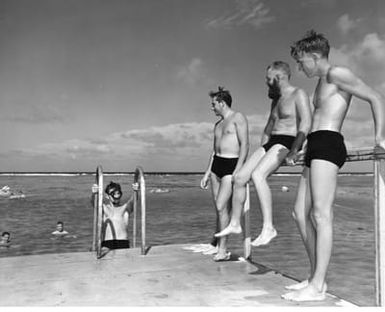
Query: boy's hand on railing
[291,158]
[95,188]
[135,186]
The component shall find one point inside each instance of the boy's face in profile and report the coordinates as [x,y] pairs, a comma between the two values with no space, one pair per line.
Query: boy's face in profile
[306,63]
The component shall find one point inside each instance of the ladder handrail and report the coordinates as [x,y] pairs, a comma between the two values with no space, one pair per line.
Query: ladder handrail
[139,178]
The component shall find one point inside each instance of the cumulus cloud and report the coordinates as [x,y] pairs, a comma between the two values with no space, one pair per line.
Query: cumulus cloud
[365,57]
[246,12]
[193,73]
[345,24]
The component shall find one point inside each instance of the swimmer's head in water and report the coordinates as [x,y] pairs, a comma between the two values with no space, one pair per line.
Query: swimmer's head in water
[5,237]
[114,190]
[60,226]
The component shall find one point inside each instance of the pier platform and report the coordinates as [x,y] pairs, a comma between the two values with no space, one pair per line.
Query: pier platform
[170,275]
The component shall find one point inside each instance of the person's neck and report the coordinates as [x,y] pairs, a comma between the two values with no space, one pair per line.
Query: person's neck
[284,87]
[227,113]
[323,68]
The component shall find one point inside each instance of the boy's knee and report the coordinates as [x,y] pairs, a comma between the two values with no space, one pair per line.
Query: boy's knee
[258,176]
[220,205]
[240,180]
[320,216]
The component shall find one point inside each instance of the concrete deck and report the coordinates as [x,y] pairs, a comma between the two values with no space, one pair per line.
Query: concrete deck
[167,276]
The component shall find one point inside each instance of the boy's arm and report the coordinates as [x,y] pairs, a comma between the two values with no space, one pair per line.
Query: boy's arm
[205,179]
[303,112]
[243,138]
[344,79]
[268,127]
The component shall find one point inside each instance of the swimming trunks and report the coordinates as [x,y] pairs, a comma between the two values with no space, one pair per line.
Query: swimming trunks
[285,140]
[223,166]
[116,243]
[326,145]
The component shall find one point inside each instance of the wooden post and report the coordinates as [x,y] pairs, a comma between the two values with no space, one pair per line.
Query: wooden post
[379,214]
[246,225]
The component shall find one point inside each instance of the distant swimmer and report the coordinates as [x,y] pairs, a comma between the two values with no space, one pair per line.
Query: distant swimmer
[325,155]
[230,150]
[285,131]
[60,232]
[5,191]
[5,240]
[115,216]
[60,229]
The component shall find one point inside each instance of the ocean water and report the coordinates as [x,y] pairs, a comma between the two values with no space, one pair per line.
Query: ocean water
[185,214]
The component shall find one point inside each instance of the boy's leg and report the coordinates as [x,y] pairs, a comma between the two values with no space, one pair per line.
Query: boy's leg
[239,192]
[301,216]
[269,163]
[222,200]
[323,182]
[215,184]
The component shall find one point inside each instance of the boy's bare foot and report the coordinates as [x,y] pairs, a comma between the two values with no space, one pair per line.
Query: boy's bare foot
[308,293]
[298,286]
[229,230]
[265,237]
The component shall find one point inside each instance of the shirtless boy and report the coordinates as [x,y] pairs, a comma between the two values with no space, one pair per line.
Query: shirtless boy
[326,153]
[283,136]
[230,150]
[115,217]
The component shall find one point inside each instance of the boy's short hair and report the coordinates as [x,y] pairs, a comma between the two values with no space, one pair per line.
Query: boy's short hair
[113,187]
[312,42]
[5,233]
[59,222]
[222,95]
[282,66]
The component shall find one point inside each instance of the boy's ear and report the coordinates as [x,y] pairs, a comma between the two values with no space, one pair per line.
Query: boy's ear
[316,56]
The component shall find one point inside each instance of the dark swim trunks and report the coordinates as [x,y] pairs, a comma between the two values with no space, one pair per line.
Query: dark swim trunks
[285,140]
[116,243]
[326,145]
[223,166]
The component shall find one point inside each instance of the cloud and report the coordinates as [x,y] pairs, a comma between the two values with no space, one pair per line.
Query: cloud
[194,73]
[365,58]
[246,12]
[345,24]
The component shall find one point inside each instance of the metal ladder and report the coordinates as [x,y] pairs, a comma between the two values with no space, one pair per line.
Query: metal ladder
[139,197]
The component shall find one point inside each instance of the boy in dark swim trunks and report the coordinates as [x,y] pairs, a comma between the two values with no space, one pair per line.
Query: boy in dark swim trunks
[284,134]
[115,217]
[230,151]
[326,153]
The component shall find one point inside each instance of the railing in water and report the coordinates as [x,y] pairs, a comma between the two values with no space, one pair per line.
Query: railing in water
[139,196]
[378,156]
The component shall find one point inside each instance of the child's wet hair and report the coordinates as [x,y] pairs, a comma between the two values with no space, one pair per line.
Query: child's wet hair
[113,187]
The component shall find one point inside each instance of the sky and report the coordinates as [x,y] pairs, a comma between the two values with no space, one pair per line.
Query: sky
[123,83]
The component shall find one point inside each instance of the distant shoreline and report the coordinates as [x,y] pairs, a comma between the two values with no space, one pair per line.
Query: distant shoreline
[154,173]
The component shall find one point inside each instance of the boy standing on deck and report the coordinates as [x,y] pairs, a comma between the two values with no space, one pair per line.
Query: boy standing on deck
[231,145]
[285,131]
[326,153]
